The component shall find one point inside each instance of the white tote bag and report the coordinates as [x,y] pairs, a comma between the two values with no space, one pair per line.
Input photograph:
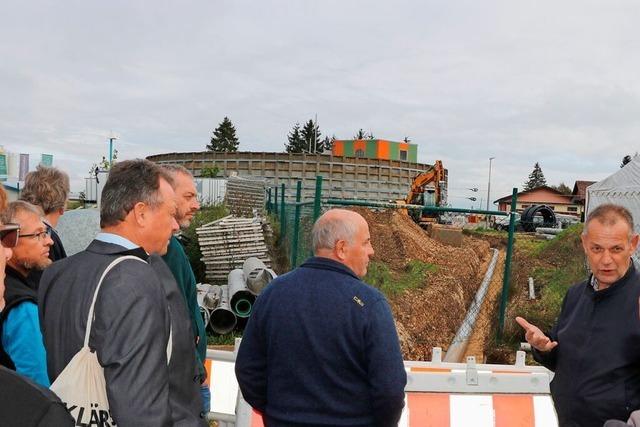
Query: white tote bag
[81,385]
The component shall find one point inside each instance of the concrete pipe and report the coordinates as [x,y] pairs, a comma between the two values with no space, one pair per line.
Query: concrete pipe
[257,275]
[223,320]
[240,296]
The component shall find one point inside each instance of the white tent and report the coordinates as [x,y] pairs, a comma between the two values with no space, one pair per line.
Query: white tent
[621,188]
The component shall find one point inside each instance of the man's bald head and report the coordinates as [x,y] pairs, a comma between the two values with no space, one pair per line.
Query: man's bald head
[334,225]
[343,236]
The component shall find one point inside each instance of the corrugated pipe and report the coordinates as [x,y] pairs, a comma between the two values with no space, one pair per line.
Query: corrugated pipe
[461,340]
[223,320]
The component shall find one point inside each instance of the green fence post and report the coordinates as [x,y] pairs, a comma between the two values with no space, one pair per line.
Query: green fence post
[276,207]
[318,196]
[507,264]
[269,200]
[283,218]
[296,227]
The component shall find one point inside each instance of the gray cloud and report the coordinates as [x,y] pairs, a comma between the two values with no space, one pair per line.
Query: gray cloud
[553,82]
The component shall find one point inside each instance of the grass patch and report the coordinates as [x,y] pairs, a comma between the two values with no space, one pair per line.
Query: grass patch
[226,339]
[555,265]
[391,283]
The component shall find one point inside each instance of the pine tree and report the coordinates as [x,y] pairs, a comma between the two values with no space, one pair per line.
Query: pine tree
[328,143]
[563,188]
[224,137]
[295,142]
[536,178]
[310,134]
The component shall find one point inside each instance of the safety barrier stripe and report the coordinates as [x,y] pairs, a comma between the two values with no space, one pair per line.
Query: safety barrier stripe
[457,410]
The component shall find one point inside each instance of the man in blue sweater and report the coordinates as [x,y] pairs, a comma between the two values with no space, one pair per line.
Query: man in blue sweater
[321,348]
[594,347]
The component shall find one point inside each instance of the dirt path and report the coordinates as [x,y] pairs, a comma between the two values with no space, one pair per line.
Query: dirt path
[488,312]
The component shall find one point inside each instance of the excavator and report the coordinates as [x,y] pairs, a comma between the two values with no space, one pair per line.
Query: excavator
[426,191]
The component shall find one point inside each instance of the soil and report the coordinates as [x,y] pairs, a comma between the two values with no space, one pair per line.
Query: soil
[428,316]
[485,321]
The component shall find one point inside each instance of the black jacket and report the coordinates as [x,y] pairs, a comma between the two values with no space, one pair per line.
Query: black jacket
[597,359]
[137,306]
[17,290]
[26,404]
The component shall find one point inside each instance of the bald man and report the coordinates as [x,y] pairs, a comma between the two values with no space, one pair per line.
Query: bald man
[321,347]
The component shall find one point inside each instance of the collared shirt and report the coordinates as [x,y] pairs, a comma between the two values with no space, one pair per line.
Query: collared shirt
[594,283]
[116,240]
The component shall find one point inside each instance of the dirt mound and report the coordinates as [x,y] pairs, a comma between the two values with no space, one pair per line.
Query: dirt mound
[430,315]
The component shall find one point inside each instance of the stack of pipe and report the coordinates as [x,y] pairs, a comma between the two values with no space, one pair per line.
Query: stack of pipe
[224,307]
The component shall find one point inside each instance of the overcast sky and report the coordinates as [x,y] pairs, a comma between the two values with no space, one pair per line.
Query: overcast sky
[521,81]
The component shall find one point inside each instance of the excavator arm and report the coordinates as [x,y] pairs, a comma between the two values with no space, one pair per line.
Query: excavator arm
[435,175]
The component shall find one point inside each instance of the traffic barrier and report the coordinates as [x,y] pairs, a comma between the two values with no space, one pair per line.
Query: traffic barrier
[438,394]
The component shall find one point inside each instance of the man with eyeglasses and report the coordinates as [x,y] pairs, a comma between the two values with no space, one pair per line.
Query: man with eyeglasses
[19,324]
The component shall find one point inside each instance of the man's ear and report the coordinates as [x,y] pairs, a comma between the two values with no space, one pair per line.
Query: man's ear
[140,213]
[634,241]
[339,249]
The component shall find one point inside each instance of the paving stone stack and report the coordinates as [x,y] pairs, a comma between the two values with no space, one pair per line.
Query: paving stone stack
[226,243]
[245,196]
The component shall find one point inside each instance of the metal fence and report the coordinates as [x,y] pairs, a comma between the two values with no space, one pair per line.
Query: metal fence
[296,216]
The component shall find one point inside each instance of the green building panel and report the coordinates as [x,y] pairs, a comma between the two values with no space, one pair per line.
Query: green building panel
[394,150]
[348,148]
[372,149]
[413,153]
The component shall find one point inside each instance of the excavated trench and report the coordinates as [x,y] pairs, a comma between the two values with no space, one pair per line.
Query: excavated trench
[429,315]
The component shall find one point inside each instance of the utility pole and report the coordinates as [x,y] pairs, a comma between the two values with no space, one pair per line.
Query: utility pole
[488,192]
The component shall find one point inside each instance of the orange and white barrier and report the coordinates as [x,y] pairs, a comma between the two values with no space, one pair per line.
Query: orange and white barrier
[437,394]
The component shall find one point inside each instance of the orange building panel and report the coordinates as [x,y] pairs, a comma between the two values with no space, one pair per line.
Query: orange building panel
[338,148]
[359,144]
[383,149]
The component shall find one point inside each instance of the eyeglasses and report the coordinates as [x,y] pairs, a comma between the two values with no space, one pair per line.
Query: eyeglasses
[9,235]
[39,235]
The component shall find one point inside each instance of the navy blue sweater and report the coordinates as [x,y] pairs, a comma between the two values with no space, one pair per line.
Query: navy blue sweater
[321,349]
[597,359]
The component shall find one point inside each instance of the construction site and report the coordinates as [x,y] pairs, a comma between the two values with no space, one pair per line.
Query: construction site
[450,284]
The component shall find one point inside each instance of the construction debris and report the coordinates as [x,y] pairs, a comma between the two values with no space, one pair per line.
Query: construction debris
[245,195]
[227,242]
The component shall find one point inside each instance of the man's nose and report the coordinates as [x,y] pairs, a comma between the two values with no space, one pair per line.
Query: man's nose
[174,224]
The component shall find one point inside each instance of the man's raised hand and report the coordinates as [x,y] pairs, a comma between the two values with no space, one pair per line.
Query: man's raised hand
[535,337]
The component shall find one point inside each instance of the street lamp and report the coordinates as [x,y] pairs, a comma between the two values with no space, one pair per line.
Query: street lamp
[489,191]
[111,139]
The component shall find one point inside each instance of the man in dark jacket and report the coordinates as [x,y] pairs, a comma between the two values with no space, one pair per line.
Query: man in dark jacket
[138,311]
[594,347]
[321,348]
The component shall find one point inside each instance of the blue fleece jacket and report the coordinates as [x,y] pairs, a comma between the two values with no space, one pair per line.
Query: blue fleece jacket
[321,348]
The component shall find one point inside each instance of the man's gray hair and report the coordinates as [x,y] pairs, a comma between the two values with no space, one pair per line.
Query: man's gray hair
[609,214]
[328,230]
[15,207]
[174,169]
[131,182]
[47,187]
